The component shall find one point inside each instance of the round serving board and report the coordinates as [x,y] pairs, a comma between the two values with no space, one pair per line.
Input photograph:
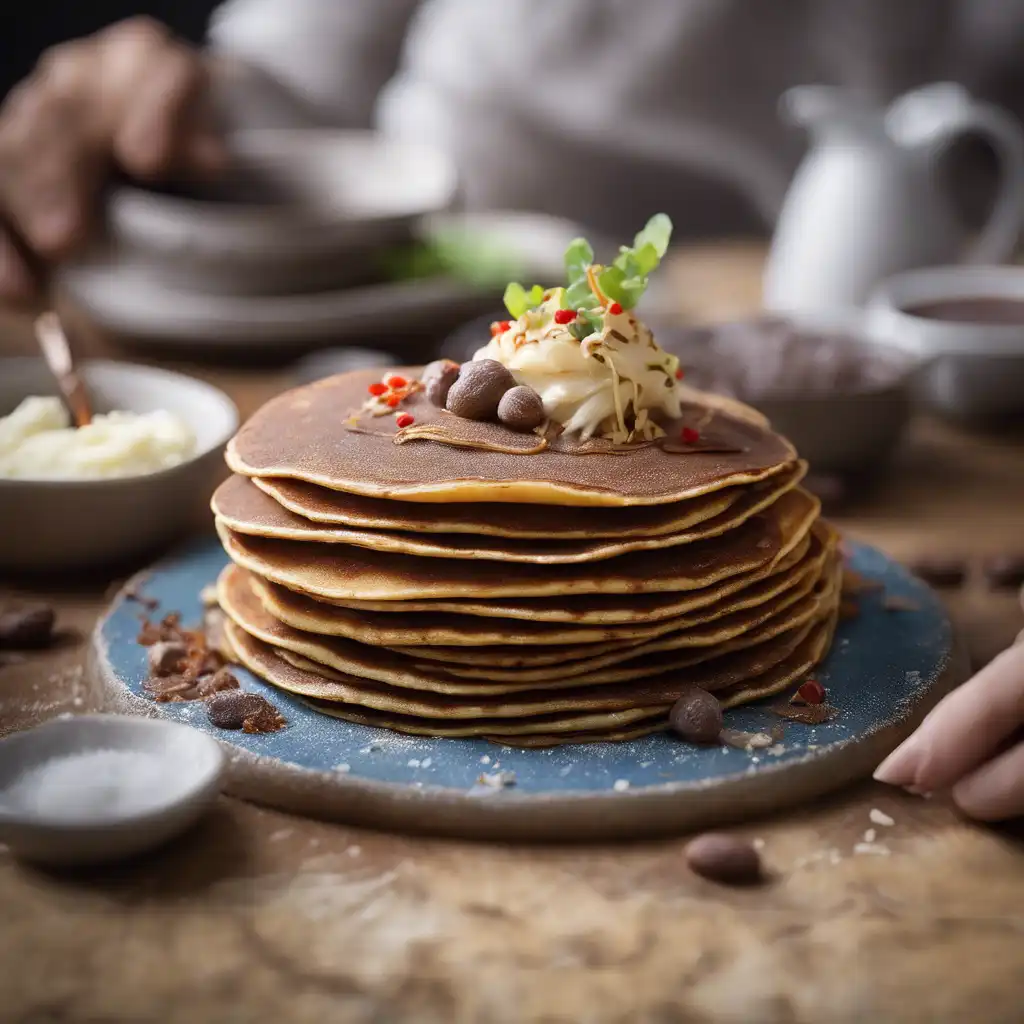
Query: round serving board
[888,667]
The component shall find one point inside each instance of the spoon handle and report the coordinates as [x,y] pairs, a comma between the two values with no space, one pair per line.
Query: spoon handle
[57,352]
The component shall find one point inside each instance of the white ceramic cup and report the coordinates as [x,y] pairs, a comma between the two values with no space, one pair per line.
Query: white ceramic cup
[975,370]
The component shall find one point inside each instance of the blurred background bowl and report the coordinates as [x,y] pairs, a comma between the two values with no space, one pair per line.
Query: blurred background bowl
[975,370]
[840,396]
[77,524]
[300,210]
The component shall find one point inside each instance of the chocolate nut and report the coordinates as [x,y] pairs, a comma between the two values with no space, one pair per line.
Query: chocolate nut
[724,858]
[521,409]
[27,626]
[438,378]
[478,389]
[696,716]
[230,708]
[167,658]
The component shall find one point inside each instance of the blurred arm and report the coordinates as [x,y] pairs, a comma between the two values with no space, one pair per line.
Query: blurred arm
[289,62]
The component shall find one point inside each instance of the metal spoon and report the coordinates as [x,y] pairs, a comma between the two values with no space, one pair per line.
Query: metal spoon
[56,350]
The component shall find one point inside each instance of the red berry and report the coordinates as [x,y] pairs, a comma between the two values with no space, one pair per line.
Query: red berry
[565,316]
[377,389]
[679,374]
[615,308]
[393,400]
[504,325]
[811,692]
[396,382]
[404,420]
[689,435]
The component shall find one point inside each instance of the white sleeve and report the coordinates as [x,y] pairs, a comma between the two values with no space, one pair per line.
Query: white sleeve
[320,61]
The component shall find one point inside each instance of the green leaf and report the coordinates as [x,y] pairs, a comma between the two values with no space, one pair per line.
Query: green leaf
[578,256]
[656,232]
[518,300]
[579,294]
[515,300]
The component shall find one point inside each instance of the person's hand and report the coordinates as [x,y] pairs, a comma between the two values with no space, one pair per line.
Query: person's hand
[971,745]
[127,98]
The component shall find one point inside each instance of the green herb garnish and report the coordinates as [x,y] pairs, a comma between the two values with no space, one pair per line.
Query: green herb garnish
[624,281]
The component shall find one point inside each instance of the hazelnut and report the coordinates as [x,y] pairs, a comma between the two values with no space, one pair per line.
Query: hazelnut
[521,409]
[478,389]
[437,379]
[724,858]
[696,716]
[230,708]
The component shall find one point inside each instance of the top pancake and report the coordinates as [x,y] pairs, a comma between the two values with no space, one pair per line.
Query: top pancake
[305,434]
[527,522]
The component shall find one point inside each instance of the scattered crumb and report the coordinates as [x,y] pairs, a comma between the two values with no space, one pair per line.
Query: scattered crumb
[565,771]
[485,759]
[414,762]
[497,780]
[875,849]
[870,835]
[881,818]
[620,785]
[746,740]
[342,768]
[777,750]
[281,833]
[372,748]
[646,764]
[426,762]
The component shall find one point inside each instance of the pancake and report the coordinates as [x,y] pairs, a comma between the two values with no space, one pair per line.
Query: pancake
[382,665]
[418,628]
[360,574]
[546,728]
[597,610]
[657,691]
[529,522]
[705,639]
[243,508]
[317,434]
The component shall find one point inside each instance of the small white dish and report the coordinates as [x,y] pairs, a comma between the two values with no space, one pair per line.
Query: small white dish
[300,210]
[99,788]
[75,524]
[975,369]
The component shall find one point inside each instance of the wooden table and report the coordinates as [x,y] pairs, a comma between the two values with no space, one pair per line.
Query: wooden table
[259,916]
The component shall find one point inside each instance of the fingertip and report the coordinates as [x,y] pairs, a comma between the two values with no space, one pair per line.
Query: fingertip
[55,230]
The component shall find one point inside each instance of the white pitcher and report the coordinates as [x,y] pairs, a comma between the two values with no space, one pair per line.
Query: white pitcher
[867,202]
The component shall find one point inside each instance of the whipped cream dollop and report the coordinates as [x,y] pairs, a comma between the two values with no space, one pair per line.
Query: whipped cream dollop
[37,442]
[599,372]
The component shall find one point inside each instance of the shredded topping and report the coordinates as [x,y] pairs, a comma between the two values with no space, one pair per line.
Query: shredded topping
[597,368]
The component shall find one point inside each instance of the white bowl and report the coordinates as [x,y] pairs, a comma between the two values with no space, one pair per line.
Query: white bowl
[300,211]
[975,371]
[193,764]
[74,524]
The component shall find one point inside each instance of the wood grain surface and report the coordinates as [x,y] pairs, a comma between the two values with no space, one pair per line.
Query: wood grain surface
[257,916]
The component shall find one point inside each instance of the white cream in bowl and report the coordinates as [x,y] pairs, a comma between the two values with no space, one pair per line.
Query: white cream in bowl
[38,442]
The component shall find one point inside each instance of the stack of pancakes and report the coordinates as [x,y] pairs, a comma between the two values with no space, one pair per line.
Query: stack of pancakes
[460,587]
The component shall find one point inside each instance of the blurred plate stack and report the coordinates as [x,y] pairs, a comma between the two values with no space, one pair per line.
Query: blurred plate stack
[314,238]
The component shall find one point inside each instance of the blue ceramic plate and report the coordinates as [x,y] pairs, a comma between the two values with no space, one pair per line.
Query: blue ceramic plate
[887,667]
